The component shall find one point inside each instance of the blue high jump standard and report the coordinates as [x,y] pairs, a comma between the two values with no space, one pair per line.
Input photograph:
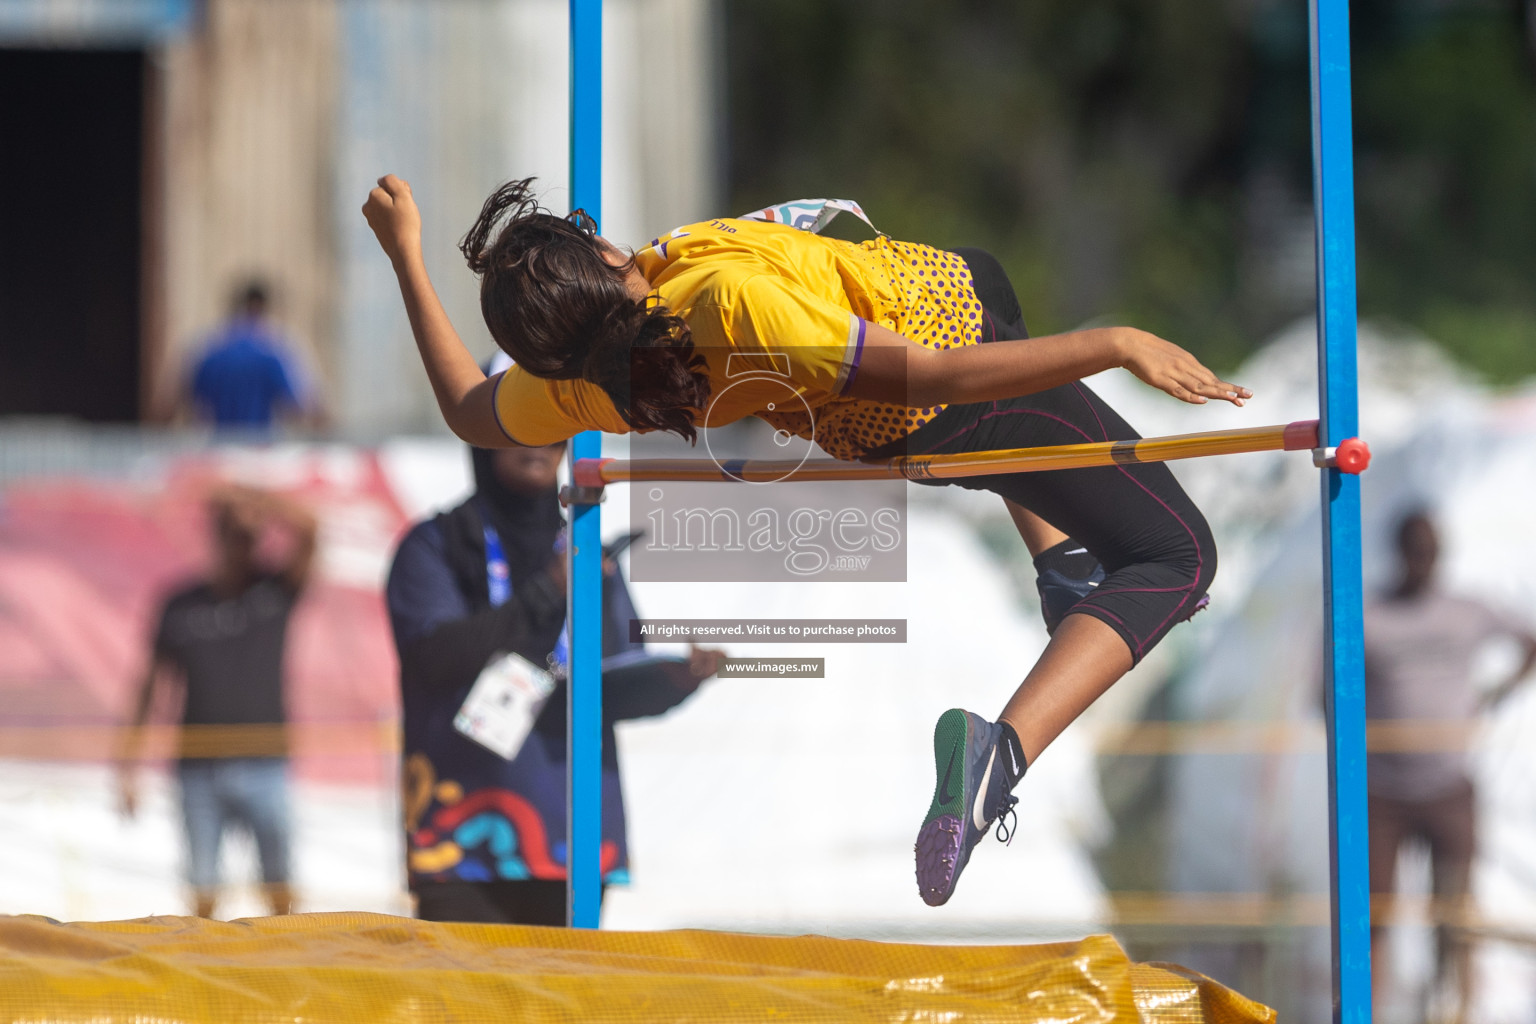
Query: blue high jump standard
[1333,198]
[584,809]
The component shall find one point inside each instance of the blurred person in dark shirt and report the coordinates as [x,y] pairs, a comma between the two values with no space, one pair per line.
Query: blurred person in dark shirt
[220,644]
[486,834]
[1420,646]
[245,377]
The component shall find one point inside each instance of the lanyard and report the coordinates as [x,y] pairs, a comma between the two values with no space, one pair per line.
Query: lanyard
[498,585]
[498,577]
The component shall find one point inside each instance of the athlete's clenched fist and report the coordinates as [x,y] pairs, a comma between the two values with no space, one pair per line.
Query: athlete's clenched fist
[392,214]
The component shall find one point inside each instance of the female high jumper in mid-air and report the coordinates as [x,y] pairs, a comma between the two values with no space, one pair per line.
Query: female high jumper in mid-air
[897,348]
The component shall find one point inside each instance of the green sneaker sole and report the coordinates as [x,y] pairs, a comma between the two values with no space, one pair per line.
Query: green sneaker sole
[951,764]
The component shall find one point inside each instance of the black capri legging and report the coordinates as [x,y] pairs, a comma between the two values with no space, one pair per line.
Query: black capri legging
[1156,549]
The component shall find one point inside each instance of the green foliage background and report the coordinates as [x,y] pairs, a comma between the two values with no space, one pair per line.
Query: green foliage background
[1149,162]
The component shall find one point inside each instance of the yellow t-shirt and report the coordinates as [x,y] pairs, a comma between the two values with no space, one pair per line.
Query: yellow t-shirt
[770,305]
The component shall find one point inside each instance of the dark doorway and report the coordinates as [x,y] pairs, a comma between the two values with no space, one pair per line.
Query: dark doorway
[71,130]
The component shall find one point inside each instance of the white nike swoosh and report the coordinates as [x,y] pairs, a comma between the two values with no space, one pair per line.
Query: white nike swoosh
[977,815]
[1078,551]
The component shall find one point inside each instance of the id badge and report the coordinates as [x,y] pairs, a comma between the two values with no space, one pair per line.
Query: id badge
[503,704]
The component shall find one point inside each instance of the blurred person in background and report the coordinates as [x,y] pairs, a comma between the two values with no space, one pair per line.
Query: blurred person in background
[1420,646]
[220,642]
[246,376]
[485,830]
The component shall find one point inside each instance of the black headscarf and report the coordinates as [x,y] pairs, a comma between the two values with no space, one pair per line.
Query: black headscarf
[526,523]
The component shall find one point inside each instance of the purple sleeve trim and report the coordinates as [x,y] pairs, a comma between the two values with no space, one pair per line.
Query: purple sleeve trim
[858,353]
[496,410]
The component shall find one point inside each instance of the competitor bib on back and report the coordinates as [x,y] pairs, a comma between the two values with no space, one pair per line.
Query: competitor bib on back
[810,214]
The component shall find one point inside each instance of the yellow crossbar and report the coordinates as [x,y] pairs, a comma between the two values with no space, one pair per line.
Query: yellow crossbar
[1352,456]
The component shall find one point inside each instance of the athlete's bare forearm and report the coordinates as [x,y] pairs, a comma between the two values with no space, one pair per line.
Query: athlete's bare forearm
[464,394]
[1006,369]
[893,369]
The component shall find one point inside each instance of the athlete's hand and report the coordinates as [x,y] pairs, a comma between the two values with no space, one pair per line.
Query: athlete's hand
[1169,368]
[396,223]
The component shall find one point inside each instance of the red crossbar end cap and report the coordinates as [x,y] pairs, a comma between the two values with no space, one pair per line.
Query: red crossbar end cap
[1353,456]
[589,473]
[1301,435]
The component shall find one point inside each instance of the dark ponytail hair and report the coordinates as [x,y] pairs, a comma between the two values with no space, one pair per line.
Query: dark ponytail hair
[563,312]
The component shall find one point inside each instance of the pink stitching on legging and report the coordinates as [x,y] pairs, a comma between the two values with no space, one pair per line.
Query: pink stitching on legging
[1141,643]
[1077,386]
[1199,554]
[1095,609]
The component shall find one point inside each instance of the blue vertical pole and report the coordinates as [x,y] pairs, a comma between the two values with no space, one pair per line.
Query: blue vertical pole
[584,792]
[1343,652]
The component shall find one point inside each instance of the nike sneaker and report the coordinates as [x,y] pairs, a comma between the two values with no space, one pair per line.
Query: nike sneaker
[1064,575]
[1200,606]
[1059,593]
[976,772]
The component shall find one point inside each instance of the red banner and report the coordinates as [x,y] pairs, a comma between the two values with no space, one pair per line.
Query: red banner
[86,561]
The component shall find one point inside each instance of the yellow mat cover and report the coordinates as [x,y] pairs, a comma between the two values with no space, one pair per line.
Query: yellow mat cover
[373,969]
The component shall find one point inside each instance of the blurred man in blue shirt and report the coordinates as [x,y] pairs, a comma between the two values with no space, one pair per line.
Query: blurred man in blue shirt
[244,378]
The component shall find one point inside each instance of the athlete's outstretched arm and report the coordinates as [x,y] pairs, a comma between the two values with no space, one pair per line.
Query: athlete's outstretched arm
[895,369]
[464,395]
